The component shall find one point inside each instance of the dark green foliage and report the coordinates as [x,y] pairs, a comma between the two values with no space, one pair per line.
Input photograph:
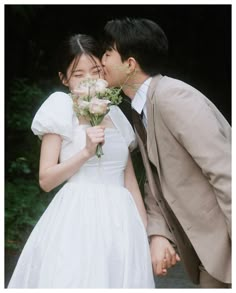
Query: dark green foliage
[24,204]
[23,97]
[22,101]
[24,201]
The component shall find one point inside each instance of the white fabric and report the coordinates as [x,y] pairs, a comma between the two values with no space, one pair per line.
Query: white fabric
[139,101]
[91,235]
[122,124]
[54,116]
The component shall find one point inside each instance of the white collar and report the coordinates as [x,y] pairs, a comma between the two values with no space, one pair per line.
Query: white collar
[140,97]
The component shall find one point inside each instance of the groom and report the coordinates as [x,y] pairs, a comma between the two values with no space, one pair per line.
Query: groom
[185,144]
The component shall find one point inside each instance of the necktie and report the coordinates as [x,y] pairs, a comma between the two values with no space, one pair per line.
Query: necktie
[138,124]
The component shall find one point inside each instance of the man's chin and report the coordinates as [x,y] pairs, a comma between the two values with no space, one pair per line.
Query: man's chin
[110,82]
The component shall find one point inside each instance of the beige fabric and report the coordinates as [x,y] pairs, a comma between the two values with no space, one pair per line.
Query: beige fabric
[207,281]
[189,142]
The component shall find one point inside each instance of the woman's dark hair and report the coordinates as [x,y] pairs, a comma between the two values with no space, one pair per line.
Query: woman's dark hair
[139,38]
[72,48]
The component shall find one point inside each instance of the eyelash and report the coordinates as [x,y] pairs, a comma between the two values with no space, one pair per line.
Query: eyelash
[98,70]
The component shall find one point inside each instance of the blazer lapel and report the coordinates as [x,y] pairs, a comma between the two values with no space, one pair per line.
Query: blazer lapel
[151,137]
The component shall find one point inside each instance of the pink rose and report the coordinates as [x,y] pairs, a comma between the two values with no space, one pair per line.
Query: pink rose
[98,106]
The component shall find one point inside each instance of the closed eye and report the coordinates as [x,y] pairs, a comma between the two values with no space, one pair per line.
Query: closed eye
[78,75]
[96,70]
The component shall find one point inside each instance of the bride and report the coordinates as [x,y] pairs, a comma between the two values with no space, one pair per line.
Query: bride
[93,233]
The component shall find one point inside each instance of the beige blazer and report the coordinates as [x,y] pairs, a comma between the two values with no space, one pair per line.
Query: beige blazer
[189,142]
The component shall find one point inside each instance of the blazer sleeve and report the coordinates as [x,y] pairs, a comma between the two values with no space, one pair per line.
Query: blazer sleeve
[156,222]
[205,134]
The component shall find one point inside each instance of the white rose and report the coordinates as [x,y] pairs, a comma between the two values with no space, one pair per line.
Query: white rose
[83,107]
[101,85]
[83,104]
[84,90]
[98,106]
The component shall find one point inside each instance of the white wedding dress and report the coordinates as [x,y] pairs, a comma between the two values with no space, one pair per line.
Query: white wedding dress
[91,235]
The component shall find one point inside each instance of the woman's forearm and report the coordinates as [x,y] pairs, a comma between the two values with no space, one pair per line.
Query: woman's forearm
[52,176]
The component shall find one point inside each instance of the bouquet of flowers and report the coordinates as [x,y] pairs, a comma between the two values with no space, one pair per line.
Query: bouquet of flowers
[92,100]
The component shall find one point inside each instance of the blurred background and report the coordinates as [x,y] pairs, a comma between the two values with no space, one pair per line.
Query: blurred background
[200,54]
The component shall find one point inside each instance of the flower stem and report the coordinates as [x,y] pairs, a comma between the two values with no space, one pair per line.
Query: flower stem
[99,151]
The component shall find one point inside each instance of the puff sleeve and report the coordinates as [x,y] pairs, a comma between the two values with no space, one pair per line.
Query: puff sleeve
[123,125]
[54,116]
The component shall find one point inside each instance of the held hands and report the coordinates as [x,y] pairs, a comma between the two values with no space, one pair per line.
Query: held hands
[163,255]
[94,136]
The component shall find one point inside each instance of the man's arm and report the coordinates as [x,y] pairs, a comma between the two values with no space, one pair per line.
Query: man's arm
[163,254]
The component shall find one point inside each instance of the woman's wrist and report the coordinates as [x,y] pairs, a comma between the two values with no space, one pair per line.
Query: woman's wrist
[86,154]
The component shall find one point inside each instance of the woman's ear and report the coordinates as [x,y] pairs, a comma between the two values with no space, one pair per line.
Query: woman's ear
[63,78]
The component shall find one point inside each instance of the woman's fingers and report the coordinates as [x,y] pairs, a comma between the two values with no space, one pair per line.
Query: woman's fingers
[94,136]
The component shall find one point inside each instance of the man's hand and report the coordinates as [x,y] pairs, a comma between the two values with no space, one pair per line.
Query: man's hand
[163,255]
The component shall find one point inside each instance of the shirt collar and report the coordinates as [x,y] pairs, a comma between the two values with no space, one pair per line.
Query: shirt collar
[140,97]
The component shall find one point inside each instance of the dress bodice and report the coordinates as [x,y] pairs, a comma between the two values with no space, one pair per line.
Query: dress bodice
[56,115]
[109,168]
